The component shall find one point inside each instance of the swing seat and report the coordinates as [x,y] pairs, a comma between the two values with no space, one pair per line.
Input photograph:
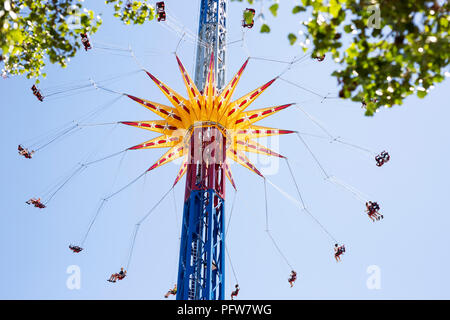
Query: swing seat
[161,16]
[320,58]
[160,6]
[76,249]
[85,41]
[37,93]
[380,160]
[160,11]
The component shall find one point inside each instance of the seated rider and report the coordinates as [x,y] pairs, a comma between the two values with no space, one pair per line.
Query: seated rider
[118,276]
[37,93]
[293,277]
[171,291]
[85,41]
[75,249]
[372,211]
[122,274]
[320,58]
[25,152]
[235,292]
[363,104]
[375,206]
[28,154]
[160,11]
[338,250]
[39,205]
[380,160]
[36,202]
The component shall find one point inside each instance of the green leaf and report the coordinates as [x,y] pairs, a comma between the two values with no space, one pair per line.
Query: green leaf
[265,28]
[274,9]
[348,28]
[298,9]
[335,7]
[16,36]
[292,38]
[421,93]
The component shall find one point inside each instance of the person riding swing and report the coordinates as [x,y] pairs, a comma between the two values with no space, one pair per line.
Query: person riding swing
[320,58]
[235,292]
[171,291]
[85,41]
[75,249]
[25,152]
[372,211]
[338,250]
[382,158]
[37,93]
[118,276]
[36,202]
[161,11]
[292,278]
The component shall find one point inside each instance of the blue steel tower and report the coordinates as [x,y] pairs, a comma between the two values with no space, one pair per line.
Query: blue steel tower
[201,271]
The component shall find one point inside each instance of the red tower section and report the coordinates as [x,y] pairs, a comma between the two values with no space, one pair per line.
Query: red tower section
[207,154]
[201,272]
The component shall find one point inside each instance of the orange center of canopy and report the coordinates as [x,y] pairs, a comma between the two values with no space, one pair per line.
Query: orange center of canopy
[208,108]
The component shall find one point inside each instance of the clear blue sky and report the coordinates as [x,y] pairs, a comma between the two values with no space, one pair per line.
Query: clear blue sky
[410,245]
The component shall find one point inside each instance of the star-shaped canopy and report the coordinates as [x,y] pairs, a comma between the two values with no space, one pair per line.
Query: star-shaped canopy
[208,106]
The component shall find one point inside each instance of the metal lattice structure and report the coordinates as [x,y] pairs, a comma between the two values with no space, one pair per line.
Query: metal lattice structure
[212,40]
[202,249]
[201,273]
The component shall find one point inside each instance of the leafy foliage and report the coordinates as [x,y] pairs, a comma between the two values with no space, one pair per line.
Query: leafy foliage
[265,28]
[136,12]
[33,32]
[388,50]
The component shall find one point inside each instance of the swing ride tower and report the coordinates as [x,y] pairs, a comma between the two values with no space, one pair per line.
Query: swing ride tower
[201,270]
[206,129]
